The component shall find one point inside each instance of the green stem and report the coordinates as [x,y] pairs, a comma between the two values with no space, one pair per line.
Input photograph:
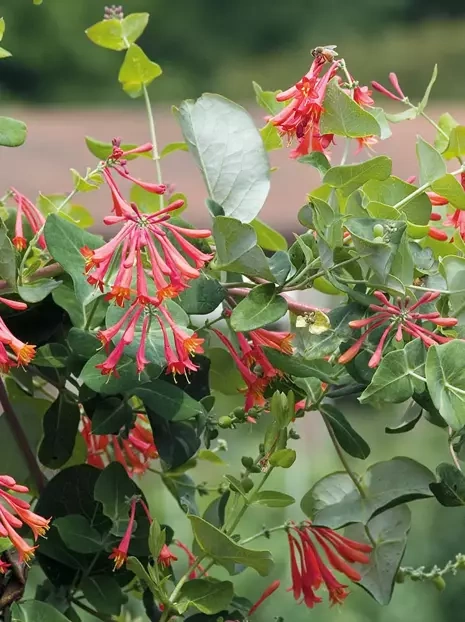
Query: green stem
[250,499]
[175,593]
[153,138]
[264,533]
[420,190]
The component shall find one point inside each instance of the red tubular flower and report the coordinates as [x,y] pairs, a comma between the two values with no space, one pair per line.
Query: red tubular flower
[166,557]
[23,352]
[437,199]
[4,567]
[120,553]
[362,95]
[271,589]
[178,360]
[33,216]
[401,317]
[309,571]
[134,453]
[400,97]
[21,514]
[191,558]
[300,119]
[457,220]
[143,240]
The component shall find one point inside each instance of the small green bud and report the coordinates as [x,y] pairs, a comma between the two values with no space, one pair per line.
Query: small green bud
[378,230]
[261,449]
[239,413]
[400,576]
[255,469]
[439,583]
[294,435]
[247,484]
[247,462]
[225,422]
[378,240]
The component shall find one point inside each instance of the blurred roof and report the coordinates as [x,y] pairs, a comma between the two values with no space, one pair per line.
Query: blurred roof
[56,143]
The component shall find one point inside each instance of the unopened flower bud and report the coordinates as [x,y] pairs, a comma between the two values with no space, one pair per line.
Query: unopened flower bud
[400,576]
[294,435]
[439,583]
[378,230]
[225,422]
[247,484]
[255,469]
[378,240]
[113,12]
[247,462]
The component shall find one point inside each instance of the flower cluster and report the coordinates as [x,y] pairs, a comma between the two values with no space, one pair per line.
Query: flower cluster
[134,452]
[300,118]
[308,569]
[21,353]
[455,219]
[403,318]
[252,363]
[14,513]
[33,216]
[400,97]
[142,265]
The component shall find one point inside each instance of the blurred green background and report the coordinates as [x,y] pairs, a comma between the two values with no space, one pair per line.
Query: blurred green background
[221,45]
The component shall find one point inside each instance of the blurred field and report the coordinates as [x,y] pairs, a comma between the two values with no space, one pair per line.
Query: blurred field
[56,143]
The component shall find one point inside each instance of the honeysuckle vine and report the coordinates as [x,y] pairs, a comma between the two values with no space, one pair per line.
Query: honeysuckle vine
[132,353]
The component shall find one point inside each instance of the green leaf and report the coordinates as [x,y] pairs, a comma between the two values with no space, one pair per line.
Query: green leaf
[343,117]
[133,25]
[454,271]
[177,441]
[446,123]
[207,596]
[35,611]
[104,594]
[350,441]
[111,385]
[432,166]
[2,27]
[210,456]
[389,530]
[4,53]
[237,250]
[237,170]
[113,489]
[450,188]
[78,535]
[172,147]
[318,160]
[261,307]
[226,552]
[7,257]
[37,290]
[78,215]
[445,377]
[202,296]
[274,499]
[183,489]
[103,150]
[456,147]
[108,34]
[52,355]
[350,177]
[393,190]
[83,343]
[379,256]
[450,490]
[381,116]
[61,423]
[405,115]
[157,539]
[110,415]
[267,99]
[271,138]
[134,566]
[12,132]
[267,237]
[224,375]
[64,242]
[169,401]
[299,367]
[334,501]
[283,458]
[137,71]
[424,102]
[399,375]
[408,420]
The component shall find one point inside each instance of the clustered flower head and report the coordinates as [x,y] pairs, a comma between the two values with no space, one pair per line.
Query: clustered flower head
[134,452]
[300,118]
[401,318]
[308,569]
[21,353]
[142,265]
[252,363]
[14,513]
[36,220]
[393,79]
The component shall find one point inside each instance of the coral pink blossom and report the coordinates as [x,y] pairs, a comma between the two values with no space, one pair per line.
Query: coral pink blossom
[120,553]
[308,569]
[33,216]
[402,318]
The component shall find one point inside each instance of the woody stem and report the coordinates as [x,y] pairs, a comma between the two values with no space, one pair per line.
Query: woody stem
[21,438]
[153,139]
